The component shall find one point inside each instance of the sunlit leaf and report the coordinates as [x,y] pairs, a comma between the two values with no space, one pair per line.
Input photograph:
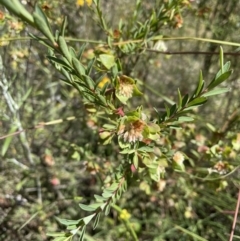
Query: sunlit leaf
[67,222]
[107,60]
[216,91]
[217,81]
[87,219]
[197,101]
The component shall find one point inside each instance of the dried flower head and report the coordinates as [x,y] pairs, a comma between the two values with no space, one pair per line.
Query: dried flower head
[125,87]
[178,158]
[132,132]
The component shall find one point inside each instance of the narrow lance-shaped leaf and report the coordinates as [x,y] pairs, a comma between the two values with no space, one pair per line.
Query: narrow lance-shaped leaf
[59,61]
[67,222]
[89,208]
[200,85]
[56,234]
[90,65]
[173,110]
[87,219]
[63,26]
[81,238]
[42,26]
[15,7]
[184,100]
[61,239]
[96,221]
[197,101]
[78,67]
[216,91]
[39,11]
[179,100]
[81,50]
[219,80]
[64,48]
[41,41]
[135,160]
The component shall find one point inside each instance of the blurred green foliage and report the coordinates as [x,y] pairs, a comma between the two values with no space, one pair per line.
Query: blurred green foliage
[56,159]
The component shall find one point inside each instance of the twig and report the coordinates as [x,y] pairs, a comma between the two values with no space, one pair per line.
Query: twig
[235,217]
[40,125]
[190,52]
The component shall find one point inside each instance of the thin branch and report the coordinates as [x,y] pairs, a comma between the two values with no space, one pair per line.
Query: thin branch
[40,125]
[191,52]
[235,217]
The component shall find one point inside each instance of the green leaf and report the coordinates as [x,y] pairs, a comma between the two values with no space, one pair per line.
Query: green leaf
[18,9]
[112,188]
[107,60]
[146,149]
[199,86]
[56,234]
[216,91]
[135,160]
[193,235]
[90,66]
[40,12]
[81,238]
[96,221]
[81,50]
[175,127]
[224,69]
[185,118]
[61,239]
[91,207]
[127,151]
[87,219]
[43,27]
[64,49]
[41,41]
[8,141]
[184,100]
[59,61]
[25,97]
[72,52]
[167,110]
[179,99]
[197,101]
[89,81]
[122,99]
[71,227]
[107,194]
[173,110]
[80,69]
[153,128]
[219,80]
[99,198]
[63,26]
[107,210]
[67,222]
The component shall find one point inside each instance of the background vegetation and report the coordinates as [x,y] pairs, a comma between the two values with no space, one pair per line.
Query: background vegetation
[55,159]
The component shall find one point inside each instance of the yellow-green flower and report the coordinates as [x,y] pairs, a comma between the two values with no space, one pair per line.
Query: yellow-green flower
[125,215]
[103,82]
